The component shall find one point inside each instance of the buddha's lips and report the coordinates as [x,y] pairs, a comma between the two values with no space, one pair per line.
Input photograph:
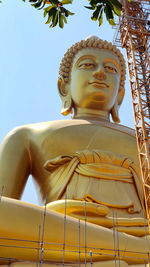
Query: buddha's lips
[100,84]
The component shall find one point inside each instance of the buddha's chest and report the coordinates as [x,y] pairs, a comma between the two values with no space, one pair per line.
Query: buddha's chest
[68,140]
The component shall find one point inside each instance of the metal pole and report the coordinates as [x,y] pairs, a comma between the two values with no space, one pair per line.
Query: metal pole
[85,232]
[79,243]
[147,241]
[38,249]
[117,239]
[42,249]
[114,238]
[64,229]
[91,257]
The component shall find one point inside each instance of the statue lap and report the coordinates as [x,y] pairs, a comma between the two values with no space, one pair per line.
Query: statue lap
[94,264]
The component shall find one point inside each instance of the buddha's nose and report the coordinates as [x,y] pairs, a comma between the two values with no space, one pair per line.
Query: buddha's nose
[99,75]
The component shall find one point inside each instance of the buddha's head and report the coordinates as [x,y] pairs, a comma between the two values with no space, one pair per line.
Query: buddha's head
[91,79]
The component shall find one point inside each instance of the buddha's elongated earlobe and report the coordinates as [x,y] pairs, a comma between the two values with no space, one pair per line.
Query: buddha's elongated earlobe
[115,108]
[64,93]
[66,105]
[115,112]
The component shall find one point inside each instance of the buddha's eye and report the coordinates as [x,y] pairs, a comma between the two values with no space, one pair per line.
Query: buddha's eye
[86,65]
[110,69]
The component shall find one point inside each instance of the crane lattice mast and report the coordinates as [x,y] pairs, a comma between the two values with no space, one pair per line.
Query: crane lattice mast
[134,34]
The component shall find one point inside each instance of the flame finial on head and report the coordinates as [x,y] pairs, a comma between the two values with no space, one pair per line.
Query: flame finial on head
[90,37]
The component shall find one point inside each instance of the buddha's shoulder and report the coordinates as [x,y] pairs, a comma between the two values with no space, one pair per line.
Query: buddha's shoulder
[122,128]
[37,129]
[47,128]
[41,127]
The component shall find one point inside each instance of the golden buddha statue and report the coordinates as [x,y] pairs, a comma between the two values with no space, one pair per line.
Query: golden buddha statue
[87,168]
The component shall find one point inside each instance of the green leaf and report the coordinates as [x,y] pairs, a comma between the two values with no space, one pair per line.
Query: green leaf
[54,2]
[61,21]
[51,14]
[65,12]
[54,5]
[116,4]
[55,18]
[112,22]
[108,12]
[93,3]
[117,11]
[70,13]
[38,4]
[66,2]
[52,11]
[95,14]
[90,7]
[45,13]
[49,19]
[44,2]
[47,9]
[64,18]
[109,2]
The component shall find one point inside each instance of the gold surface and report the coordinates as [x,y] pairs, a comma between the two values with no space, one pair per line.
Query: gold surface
[94,264]
[86,158]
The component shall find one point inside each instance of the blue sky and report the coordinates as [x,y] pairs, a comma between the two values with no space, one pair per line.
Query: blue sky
[30,53]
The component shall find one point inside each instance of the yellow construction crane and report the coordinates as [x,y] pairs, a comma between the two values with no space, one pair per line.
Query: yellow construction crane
[133,34]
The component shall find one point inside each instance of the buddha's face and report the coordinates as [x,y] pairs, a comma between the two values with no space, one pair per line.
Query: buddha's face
[95,78]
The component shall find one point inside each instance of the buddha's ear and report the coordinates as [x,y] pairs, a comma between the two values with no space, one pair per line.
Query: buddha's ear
[64,92]
[115,108]
[120,96]
[63,88]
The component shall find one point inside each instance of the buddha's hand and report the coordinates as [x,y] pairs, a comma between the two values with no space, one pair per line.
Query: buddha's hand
[78,208]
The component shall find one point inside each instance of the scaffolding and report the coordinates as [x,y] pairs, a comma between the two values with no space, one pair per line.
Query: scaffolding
[133,33]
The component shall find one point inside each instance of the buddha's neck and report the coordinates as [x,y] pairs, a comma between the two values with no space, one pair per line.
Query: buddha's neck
[81,113]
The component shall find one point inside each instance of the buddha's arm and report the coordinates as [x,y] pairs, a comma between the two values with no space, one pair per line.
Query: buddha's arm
[14,163]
